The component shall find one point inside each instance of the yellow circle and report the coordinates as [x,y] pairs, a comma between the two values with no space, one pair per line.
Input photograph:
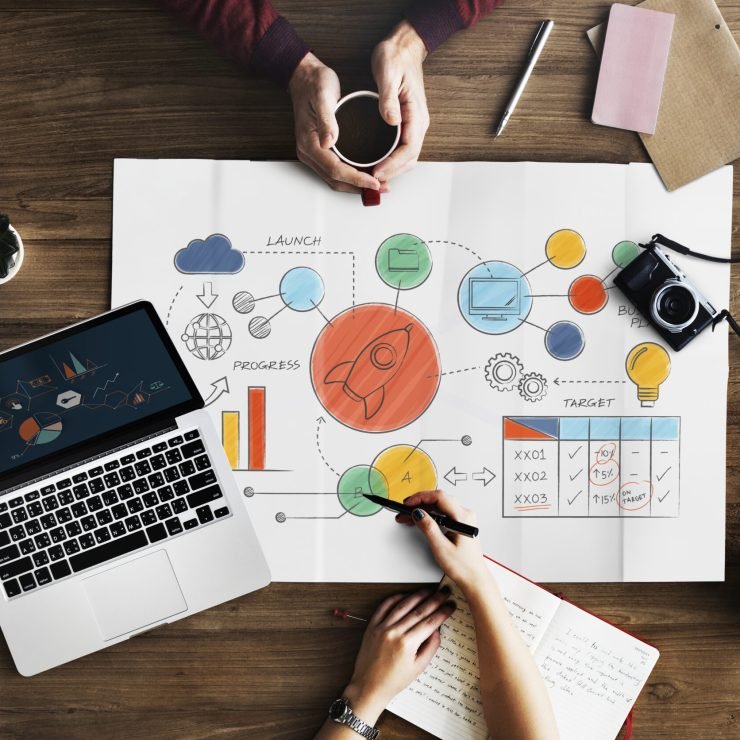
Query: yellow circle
[407,470]
[565,249]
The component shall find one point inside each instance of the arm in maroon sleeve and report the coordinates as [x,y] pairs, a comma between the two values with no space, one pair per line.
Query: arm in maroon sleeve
[250,32]
[436,20]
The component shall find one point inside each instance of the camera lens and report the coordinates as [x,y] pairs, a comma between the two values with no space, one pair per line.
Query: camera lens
[674,305]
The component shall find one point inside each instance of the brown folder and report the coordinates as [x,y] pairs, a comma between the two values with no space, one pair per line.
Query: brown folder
[699,120]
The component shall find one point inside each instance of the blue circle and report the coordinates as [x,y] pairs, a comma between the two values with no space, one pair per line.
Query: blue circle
[302,289]
[564,340]
[494,297]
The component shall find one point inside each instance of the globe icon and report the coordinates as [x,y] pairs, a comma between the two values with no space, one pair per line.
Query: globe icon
[207,336]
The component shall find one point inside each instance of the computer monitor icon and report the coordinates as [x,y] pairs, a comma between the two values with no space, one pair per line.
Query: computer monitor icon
[494,298]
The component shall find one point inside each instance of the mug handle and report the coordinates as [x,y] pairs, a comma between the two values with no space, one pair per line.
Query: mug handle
[370,197]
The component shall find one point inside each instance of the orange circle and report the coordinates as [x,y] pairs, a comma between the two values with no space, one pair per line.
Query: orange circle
[588,294]
[375,368]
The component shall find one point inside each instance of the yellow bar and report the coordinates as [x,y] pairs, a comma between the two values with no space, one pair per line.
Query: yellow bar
[230,436]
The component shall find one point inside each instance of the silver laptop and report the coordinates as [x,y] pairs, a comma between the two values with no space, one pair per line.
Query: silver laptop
[118,509]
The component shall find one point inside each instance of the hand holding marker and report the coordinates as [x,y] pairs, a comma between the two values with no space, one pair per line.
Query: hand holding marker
[442,519]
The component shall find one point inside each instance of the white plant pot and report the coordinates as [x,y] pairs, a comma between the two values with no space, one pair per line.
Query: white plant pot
[18,259]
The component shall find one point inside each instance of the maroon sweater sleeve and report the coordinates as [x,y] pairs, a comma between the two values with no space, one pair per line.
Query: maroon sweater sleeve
[436,20]
[250,32]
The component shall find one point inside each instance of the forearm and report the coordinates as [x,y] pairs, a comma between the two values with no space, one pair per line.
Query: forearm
[515,701]
[436,20]
[250,32]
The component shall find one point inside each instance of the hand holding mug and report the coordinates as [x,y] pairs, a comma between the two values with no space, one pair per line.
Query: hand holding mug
[314,89]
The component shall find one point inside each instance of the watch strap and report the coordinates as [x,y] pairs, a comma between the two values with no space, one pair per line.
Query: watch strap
[351,720]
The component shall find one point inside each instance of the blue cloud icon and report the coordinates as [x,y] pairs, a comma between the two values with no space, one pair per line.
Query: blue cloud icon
[212,255]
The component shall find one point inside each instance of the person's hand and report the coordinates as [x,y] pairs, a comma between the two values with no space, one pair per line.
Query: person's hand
[460,557]
[400,640]
[314,89]
[397,68]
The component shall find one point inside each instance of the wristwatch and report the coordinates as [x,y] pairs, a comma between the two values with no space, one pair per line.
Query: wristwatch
[341,713]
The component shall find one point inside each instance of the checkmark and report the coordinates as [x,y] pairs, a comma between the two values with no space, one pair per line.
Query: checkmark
[575,453]
[660,477]
[660,498]
[571,500]
[573,477]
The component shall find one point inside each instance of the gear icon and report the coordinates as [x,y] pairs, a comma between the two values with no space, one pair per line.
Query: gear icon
[532,387]
[503,371]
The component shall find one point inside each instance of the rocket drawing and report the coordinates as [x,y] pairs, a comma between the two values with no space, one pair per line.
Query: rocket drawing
[365,377]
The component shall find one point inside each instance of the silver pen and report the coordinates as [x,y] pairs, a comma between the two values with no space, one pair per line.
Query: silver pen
[533,55]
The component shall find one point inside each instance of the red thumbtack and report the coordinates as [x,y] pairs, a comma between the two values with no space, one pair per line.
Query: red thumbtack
[344,614]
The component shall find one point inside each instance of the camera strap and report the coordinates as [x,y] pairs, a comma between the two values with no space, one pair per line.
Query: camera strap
[664,241]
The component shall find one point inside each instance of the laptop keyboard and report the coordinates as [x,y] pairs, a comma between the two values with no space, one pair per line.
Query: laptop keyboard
[116,506]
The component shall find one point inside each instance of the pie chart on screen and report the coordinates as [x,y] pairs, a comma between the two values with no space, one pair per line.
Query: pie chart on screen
[40,429]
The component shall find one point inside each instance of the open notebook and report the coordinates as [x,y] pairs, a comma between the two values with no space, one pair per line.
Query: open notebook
[593,670]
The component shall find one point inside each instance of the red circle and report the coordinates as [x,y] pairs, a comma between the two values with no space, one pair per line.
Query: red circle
[375,368]
[624,492]
[588,294]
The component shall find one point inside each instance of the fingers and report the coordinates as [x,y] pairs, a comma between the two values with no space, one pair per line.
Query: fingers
[431,624]
[438,543]
[326,121]
[441,502]
[388,89]
[414,127]
[382,611]
[329,167]
[423,610]
[406,605]
[427,650]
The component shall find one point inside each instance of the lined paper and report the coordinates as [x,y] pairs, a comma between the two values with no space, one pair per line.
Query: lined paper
[593,671]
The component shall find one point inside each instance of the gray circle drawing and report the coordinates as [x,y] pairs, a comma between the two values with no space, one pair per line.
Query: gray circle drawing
[280,517]
[467,440]
[243,302]
[259,327]
[249,491]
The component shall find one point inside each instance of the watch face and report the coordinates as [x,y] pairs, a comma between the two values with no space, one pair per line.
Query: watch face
[337,709]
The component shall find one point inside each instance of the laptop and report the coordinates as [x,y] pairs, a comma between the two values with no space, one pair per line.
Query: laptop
[118,509]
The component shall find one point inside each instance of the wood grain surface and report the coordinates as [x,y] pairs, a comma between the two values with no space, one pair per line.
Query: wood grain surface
[84,81]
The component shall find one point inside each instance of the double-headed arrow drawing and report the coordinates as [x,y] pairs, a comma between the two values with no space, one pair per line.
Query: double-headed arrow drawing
[453,476]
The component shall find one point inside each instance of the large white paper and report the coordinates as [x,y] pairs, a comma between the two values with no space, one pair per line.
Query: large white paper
[483,379]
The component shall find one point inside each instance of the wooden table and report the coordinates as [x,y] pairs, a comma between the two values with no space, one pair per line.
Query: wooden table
[84,81]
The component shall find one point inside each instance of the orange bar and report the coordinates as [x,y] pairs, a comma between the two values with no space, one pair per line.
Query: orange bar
[257,403]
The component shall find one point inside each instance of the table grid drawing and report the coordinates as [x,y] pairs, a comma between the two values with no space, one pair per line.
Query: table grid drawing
[597,466]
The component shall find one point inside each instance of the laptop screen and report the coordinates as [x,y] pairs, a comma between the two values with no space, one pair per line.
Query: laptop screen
[87,383]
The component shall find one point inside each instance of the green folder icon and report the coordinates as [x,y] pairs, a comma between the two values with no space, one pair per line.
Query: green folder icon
[403,260]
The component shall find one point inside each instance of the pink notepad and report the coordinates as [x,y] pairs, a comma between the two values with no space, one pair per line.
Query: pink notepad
[633,66]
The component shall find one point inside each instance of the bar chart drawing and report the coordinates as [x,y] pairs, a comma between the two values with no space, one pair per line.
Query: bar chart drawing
[256,432]
[591,466]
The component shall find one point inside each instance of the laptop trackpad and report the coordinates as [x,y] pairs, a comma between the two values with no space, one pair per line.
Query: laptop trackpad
[134,595]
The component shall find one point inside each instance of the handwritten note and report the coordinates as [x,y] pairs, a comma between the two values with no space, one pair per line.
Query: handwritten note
[593,671]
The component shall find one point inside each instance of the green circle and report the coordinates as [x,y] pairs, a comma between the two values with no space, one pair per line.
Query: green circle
[358,480]
[624,252]
[403,261]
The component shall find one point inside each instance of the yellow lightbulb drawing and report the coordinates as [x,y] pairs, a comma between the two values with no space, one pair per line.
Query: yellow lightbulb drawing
[648,365]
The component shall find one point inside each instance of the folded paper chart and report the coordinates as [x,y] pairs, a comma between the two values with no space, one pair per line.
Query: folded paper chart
[467,336]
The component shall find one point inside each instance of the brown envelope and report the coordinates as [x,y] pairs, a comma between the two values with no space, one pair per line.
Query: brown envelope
[699,121]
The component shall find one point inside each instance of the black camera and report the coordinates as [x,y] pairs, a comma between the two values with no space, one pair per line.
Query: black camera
[665,297]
